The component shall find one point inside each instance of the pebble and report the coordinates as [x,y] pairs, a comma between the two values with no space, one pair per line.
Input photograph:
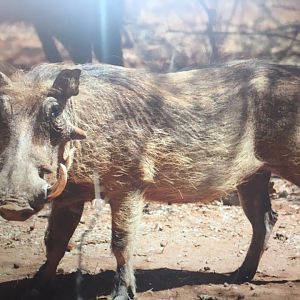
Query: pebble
[283,194]
[70,247]
[16,266]
[207,297]
[163,244]
[281,237]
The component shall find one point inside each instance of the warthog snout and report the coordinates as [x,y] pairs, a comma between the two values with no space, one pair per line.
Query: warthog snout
[20,207]
[22,192]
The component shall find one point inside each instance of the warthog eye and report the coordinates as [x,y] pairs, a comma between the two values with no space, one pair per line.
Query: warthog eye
[51,108]
[55,111]
[55,122]
[54,119]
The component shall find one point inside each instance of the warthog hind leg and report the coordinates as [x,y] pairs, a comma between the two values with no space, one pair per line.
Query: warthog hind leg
[125,220]
[255,200]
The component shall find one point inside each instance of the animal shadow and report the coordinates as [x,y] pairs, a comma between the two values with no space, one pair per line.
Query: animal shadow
[77,286]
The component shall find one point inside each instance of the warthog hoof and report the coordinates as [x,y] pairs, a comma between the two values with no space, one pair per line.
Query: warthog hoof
[122,293]
[241,276]
[121,298]
[123,284]
[39,289]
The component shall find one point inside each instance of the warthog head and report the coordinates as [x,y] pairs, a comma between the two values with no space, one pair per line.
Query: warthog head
[35,127]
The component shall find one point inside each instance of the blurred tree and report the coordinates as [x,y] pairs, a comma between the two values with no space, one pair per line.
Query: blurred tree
[82,27]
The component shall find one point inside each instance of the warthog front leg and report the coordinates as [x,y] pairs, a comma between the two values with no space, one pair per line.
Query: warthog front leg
[62,224]
[126,215]
[255,200]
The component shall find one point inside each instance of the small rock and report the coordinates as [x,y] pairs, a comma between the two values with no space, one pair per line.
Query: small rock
[226,284]
[206,268]
[146,209]
[281,237]
[283,194]
[207,297]
[16,266]
[70,246]
[163,244]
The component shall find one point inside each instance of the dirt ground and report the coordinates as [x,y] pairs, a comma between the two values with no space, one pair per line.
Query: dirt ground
[183,251]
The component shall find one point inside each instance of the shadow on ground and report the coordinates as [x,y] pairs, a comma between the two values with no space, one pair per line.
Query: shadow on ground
[75,286]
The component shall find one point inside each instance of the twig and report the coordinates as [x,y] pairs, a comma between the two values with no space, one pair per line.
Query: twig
[99,206]
[268,34]
[211,14]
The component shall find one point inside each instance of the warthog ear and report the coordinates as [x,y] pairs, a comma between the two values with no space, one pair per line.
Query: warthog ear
[65,85]
[4,80]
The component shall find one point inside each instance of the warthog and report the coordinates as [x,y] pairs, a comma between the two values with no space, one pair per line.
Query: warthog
[179,137]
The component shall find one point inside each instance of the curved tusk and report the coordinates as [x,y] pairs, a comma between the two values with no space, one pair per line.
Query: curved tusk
[58,187]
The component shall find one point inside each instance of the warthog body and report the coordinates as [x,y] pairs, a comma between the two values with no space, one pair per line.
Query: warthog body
[181,137]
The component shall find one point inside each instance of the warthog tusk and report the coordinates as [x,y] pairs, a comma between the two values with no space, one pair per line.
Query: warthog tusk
[58,187]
